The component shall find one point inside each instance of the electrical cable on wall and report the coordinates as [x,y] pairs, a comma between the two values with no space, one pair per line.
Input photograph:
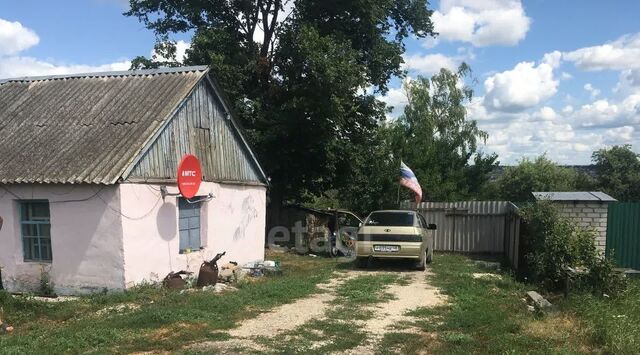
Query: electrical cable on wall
[97,194]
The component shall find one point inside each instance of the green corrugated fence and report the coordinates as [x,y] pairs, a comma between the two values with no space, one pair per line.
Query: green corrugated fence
[623,234]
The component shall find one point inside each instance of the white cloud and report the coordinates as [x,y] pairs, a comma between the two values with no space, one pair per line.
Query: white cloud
[430,63]
[593,91]
[619,135]
[525,86]
[580,147]
[565,76]
[553,59]
[523,137]
[429,42]
[11,67]
[628,82]
[567,109]
[621,54]
[396,98]
[258,34]
[605,113]
[482,22]
[567,135]
[181,52]
[632,76]
[598,113]
[477,111]
[547,113]
[14,37]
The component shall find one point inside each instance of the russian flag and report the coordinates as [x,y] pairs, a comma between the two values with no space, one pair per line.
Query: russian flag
[408,179]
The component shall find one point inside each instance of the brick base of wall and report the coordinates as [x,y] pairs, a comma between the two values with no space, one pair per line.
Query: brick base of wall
[591,215]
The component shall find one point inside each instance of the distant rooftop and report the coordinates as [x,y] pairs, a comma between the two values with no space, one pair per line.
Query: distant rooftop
[573,196]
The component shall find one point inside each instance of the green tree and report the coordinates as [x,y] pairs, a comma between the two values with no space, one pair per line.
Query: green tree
[435,138]
[373,181]
[618,172]
[541,174]
[300,89]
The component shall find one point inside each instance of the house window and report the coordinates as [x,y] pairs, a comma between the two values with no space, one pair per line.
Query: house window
[189,225]
[36,230]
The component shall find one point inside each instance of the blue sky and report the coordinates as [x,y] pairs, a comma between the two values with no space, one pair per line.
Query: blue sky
[561,77]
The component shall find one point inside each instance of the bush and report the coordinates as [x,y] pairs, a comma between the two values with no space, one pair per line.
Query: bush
[603,279]
[553,244]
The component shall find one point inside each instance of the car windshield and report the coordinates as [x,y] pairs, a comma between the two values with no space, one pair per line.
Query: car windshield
[393,219]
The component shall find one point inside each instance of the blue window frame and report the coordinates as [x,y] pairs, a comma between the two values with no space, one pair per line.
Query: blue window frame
[35,225]
[189,225]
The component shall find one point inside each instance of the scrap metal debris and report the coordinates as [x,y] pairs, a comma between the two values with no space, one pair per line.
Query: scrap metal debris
[208,275]
[261,268]
[175,281]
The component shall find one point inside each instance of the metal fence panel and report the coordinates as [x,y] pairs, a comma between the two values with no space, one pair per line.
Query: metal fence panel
[623,233]
[474,226]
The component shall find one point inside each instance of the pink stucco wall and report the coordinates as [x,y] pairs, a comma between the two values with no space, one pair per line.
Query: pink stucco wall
[86,237]
[233,221]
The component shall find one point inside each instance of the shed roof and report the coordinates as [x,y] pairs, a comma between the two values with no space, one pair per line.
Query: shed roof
[85,128]
[574,196]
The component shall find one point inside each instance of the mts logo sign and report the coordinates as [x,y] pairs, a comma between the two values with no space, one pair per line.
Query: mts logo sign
[189,176]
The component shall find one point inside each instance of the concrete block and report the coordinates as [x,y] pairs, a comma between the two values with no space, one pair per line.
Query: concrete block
[587,219]
[539,301]
[588,210]
[593,215]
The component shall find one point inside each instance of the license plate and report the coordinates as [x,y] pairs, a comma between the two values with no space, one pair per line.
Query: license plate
[386,248]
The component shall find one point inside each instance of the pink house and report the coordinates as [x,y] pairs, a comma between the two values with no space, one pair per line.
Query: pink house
[88,190]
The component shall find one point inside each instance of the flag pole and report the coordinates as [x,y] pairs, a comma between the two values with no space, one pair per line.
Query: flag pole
[398,200]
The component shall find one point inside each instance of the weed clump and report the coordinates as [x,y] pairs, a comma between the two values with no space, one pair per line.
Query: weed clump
[46,284]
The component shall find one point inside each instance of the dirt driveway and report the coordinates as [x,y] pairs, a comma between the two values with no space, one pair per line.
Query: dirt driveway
[300,321]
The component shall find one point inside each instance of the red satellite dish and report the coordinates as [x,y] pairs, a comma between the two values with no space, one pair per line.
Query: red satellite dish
[189,176]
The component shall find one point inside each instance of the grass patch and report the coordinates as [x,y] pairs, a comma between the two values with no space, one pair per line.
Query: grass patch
[611,324]
[483,315]
[165,320]
[366,289]
[339,330]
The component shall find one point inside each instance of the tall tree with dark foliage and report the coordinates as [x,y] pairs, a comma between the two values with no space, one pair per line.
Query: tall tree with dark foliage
[302,74]
[618,172]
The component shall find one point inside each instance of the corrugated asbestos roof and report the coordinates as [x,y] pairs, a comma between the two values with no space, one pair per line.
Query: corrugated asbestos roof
[573,196]
[85,128]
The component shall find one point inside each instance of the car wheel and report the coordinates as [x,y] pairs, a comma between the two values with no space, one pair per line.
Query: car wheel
[429,257]
[362,263]
[422,263]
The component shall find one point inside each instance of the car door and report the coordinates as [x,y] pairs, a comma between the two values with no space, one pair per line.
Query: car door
[427,236]
[347,231]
